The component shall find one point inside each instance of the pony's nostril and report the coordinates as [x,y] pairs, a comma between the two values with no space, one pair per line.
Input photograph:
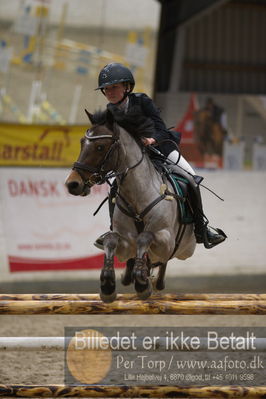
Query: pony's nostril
[73,185]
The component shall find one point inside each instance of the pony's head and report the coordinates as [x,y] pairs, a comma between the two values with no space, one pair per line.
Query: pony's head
[96,154]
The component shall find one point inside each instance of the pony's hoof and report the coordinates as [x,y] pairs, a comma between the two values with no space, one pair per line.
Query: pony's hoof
[108,285]
[140,276]
[126,279]
[143,292]
[108,298]
[159,285]
[141,271]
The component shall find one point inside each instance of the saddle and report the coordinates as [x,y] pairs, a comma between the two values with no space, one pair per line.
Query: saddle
[182,184]
[180,187]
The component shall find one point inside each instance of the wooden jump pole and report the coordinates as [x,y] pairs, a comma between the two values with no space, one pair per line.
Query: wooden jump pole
[170,297]
[129,304]
[116,391]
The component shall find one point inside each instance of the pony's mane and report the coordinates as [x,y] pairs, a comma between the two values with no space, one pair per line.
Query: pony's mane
[137,125]
[134,123]
[99,117]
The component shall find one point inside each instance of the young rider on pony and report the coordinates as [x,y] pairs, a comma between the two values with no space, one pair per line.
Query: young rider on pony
[117,82]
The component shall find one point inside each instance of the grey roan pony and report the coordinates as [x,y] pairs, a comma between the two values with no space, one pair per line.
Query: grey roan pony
[107,149]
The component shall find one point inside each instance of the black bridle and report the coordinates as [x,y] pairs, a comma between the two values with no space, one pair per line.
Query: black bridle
[99,173]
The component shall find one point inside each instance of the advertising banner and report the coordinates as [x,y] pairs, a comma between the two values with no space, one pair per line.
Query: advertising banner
[46,228]
[43,227]
[39,145]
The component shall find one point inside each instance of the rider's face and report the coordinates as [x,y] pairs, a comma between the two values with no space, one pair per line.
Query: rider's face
[115,93]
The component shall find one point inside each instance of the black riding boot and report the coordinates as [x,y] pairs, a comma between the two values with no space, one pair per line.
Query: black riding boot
[111,203]
[203,233]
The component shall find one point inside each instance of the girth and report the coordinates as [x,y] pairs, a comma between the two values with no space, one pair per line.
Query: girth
[138,217]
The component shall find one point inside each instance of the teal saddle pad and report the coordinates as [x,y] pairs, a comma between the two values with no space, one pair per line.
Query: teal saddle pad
[180,186]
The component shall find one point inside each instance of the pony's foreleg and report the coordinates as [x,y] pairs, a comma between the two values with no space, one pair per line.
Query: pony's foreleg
[141,270]
[107,278]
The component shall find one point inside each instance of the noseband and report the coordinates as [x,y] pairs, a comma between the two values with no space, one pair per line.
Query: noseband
[99,172]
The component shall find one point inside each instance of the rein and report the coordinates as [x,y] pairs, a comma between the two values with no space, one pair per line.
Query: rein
[123,174]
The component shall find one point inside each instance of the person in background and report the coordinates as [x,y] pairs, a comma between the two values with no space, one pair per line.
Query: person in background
[217,113]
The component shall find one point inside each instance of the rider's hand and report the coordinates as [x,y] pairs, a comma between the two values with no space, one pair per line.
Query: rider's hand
[148,140]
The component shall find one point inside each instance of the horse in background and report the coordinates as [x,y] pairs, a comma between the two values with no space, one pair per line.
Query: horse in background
[143,199]
[209,133]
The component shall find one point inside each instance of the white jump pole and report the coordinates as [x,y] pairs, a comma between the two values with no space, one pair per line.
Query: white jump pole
[32,343]
[113,343]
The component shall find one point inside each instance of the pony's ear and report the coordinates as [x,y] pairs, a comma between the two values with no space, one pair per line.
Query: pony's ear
[90,116]
[109,120]
[116,131]
[111,124]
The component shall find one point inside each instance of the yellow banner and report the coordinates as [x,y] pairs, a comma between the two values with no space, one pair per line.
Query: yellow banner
[39,145]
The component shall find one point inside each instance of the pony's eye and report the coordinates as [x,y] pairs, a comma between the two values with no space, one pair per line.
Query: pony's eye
[99,147]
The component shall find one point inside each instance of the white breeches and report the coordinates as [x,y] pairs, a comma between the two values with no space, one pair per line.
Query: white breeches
[174,155]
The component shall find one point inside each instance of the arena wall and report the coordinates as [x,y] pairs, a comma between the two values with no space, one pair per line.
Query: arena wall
[67,228]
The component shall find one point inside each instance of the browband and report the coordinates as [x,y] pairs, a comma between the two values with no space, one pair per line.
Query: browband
[104,136]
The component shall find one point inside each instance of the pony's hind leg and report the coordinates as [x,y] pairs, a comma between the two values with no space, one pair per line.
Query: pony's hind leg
[159,282]
[141,270]
[107,278]
[126,277]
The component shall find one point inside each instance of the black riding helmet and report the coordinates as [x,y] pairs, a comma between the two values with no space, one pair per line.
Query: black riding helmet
[115,73]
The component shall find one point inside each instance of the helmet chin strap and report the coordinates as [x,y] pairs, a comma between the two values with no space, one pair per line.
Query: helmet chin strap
[124,97]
